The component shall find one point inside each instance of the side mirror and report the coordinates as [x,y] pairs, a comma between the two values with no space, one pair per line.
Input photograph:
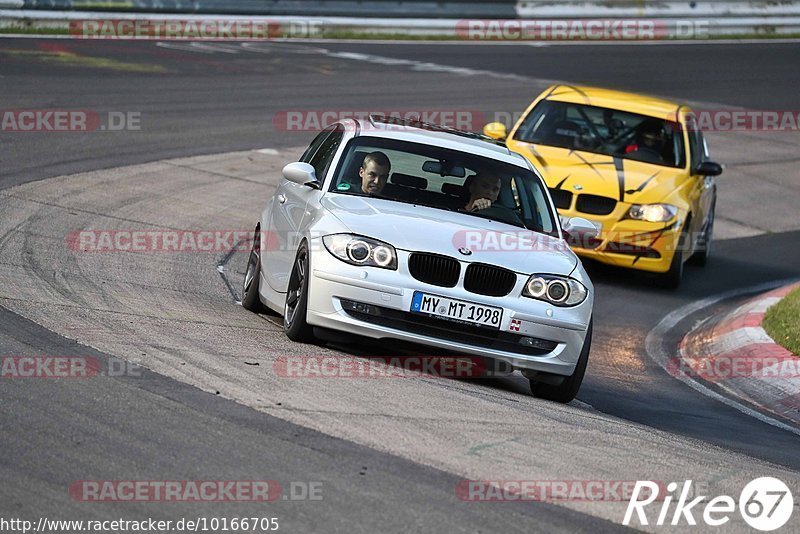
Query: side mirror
[708,168]
[578,227]
[495,130]
[301,173]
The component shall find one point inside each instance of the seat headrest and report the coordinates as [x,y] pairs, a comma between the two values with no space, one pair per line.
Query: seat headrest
[406,180]
[453,189]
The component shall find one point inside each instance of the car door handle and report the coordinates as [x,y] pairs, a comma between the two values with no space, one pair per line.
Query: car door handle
[281,198]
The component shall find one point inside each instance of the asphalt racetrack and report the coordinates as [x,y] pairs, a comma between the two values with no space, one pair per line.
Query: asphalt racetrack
[387,453]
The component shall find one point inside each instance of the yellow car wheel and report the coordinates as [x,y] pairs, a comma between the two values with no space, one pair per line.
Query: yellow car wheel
[672,278]
[704,251]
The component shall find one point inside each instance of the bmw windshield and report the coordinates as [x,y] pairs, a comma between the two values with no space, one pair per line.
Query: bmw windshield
[444,179]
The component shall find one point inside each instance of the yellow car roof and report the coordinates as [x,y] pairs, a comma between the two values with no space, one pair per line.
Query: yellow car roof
[607,98]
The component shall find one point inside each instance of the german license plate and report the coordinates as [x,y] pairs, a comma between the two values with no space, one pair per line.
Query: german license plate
[456,310]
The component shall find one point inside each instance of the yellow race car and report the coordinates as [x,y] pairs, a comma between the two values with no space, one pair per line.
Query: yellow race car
[636,167]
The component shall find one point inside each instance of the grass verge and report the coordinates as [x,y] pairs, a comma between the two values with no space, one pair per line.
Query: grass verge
[782,322]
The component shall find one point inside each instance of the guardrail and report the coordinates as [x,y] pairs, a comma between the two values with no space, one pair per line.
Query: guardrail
[443,19]
[674,9]
[311,8]
[554,9]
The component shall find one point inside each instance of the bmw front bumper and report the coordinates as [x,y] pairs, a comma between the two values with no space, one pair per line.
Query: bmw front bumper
[376,303]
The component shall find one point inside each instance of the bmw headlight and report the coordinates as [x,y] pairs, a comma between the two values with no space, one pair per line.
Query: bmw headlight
[557,290]
[652,212]
[361,251]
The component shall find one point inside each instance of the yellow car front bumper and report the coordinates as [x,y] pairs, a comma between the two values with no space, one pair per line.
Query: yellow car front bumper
[629,243]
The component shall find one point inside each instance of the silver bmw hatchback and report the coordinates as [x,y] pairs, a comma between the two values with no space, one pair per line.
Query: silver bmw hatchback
[401,230]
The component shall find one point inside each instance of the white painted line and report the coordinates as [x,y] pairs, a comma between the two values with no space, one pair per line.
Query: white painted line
[268,151]
[758,306]
[216,47]
[285,45]
[657,353]
[426,66]
[184,47]
[251,47]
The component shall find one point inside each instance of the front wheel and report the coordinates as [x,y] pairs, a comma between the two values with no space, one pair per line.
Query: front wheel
[672,278]
[250,300]
[704,247]
[296,307]
[568,388]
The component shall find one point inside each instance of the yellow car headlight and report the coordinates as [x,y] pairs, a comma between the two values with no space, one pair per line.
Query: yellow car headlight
[652,212]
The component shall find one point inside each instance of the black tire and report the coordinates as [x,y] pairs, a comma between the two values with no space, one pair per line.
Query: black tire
[296,307]
[704,246]
[568,388]
[252,275]
[672,278]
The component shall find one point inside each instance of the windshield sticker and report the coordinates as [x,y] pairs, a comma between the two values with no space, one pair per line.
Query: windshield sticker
[344,186]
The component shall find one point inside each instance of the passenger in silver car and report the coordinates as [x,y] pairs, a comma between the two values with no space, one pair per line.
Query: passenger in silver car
[483,190]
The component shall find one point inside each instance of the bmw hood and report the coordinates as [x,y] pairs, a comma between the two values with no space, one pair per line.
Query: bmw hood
[624,180]
[459,235]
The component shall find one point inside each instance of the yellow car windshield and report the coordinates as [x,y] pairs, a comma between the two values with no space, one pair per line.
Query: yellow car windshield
[604,131]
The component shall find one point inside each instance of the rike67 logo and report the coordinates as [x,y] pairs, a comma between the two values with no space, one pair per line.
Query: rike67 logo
[765,504]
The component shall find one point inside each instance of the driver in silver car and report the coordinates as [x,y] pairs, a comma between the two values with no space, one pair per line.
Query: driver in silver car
[374,172]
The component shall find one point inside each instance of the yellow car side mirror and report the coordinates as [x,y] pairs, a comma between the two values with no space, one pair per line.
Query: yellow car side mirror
[495,130]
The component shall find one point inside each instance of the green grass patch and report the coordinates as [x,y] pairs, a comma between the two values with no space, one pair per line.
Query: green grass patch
[782,322]
[33,30]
